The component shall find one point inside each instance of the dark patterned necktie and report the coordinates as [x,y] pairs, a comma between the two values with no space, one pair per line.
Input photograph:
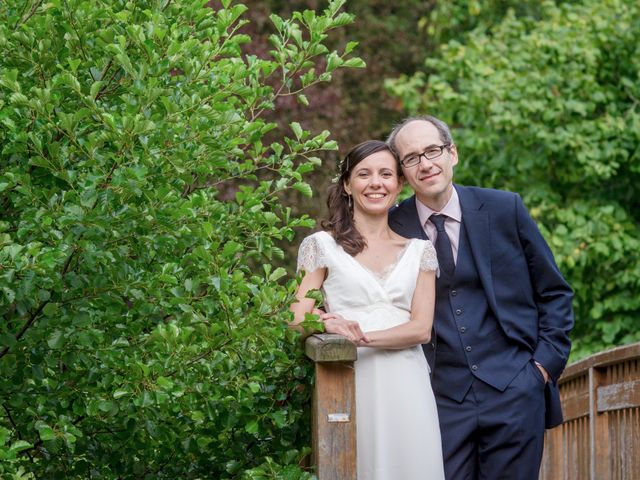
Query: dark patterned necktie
[443,246]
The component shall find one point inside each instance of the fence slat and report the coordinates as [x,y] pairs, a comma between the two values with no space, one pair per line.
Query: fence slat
[576,406]
[619,396]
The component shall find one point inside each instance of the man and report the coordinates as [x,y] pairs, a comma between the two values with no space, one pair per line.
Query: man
[503,311]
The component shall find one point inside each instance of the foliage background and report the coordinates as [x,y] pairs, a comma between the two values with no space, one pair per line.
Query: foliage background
[157,167]
[545,102]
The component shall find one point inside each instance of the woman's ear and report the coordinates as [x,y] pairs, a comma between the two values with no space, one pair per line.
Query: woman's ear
[345,185]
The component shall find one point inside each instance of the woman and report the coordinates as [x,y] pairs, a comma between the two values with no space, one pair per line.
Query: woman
[379,291]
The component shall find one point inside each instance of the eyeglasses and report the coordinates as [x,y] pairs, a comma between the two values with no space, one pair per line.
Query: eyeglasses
[432,152]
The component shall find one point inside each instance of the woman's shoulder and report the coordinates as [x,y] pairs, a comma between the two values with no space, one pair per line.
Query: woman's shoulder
[423,245]
[319,236]
[312,253]
[320,240]
[428,255]
[424,250]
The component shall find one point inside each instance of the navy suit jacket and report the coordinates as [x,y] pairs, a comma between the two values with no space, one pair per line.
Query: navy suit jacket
[524,288]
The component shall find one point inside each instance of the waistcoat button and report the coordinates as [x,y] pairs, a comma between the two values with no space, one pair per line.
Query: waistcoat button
[468,349]
[474,367]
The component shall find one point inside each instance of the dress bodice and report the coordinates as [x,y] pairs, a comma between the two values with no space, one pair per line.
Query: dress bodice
[349,285]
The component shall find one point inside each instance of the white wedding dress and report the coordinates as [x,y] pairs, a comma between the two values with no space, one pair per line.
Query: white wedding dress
[397,422]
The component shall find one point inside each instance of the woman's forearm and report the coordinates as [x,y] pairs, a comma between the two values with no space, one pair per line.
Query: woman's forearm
[406,335]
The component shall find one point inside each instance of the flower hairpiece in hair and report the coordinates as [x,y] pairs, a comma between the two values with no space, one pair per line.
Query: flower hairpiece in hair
[341,170]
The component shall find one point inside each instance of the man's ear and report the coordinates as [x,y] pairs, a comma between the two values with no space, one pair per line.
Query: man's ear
[453,151]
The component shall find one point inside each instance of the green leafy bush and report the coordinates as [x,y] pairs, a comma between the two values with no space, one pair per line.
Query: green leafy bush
[144,320]
[549,107]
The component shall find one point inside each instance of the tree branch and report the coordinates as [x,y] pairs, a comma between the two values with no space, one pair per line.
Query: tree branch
[31,13]
[26,326]
[15,427]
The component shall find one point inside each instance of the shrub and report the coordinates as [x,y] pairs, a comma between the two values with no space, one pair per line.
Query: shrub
[144,320]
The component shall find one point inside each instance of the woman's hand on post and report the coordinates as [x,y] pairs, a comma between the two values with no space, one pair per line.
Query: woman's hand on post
[336,323]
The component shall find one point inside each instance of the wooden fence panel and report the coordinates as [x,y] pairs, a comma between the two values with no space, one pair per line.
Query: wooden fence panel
[600,437]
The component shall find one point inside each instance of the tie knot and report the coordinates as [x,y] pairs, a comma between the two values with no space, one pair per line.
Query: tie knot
[438,221]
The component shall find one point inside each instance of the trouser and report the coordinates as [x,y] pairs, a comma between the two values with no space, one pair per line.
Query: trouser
[495,435]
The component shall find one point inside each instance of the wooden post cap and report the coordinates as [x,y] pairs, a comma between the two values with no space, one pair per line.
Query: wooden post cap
[330,347]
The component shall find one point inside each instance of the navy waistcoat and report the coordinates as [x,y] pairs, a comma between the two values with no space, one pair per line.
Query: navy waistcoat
[469,340]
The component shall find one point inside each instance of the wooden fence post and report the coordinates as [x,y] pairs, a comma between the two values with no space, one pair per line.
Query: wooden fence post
[334,406]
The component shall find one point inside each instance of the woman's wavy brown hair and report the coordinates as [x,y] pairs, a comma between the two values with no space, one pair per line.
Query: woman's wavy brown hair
[340,222]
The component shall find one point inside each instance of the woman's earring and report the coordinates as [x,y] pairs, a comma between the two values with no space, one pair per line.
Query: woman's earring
[349,197]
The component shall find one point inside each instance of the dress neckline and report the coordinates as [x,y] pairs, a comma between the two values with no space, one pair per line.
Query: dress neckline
[386,272]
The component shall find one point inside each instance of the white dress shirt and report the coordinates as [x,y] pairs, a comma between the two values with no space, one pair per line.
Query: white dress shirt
[452,223]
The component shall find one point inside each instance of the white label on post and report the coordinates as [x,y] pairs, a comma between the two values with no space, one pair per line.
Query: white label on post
[338,417]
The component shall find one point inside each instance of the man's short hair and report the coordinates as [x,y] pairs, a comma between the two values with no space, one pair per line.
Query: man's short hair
[443,130]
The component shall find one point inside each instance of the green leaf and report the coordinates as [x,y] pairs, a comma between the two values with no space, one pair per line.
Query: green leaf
[8,340]
[95,88]
[233,466]
[279,418]
[119,393]
[303,188]
[231,248]
[252,427]
[297,129]
[106,405]
[315,295]
[355,63]
[56,340]
[350,47]
[330,145]
[19,446]
[312,323]
[333,61]
[50,309]
[277,21]
[254,387]
[277,274]
[45,432]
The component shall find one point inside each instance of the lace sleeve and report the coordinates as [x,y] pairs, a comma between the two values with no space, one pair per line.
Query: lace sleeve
[310,255]
[429,259]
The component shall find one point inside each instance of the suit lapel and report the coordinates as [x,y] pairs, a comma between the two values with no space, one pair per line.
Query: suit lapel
[476,222]
[405,221]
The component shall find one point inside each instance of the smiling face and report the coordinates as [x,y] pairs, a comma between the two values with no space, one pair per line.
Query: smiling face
[432,180]
[374,184]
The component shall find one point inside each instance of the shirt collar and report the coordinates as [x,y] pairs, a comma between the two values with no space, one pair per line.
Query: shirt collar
[451,209]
